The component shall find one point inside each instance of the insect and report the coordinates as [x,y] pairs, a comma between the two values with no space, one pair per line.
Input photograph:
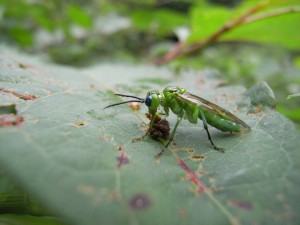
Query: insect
[188,106]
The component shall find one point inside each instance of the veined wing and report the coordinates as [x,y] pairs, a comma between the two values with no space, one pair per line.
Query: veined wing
[211,107]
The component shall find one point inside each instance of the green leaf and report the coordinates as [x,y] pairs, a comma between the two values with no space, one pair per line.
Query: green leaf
[260,96]
[79,160]
[79,16]
[207,19]
[293,113]
[161,21]
[22,36]
[266,31]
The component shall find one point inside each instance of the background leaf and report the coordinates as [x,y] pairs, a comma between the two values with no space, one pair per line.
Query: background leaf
[162,22]
[207,19]
[259,97]
[67,151]
[278,30]
[78,16]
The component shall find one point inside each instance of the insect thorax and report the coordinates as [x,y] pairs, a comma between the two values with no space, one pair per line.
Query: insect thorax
[174,89]
[164,100]
[170,100]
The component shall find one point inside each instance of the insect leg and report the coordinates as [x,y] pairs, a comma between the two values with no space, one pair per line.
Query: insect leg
[151,124]
[208,134]
[171,137]
[174,130]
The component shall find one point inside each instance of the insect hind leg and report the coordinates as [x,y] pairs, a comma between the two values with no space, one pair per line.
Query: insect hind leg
[208,134]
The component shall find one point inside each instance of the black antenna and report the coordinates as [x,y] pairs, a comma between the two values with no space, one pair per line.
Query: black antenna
[120,103]
[130,96]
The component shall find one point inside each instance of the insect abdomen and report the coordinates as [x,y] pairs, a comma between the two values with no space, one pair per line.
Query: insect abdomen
[221,123]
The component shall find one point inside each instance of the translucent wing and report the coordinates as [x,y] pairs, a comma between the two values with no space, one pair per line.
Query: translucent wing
[211,108]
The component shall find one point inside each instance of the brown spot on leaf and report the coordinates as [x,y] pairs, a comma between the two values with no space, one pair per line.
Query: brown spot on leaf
[133,140]
[18,95]
[197,157]
[140,201]
[191,151]
[24,66]
[80,123]
[119,148]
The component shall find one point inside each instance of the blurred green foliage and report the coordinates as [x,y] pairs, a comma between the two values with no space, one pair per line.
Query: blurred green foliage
[206,19]
[87,32]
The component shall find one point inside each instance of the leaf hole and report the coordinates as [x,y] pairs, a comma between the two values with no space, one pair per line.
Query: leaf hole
[8,109]
[9,117]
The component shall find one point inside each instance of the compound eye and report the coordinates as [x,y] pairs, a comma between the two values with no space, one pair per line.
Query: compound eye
[148,101]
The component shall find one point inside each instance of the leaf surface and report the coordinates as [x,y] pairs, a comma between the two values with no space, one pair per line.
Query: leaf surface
[80,162]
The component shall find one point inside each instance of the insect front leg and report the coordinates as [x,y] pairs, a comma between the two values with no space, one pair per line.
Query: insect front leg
[171,137]
[208,134]
[151,123]
[153,118]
